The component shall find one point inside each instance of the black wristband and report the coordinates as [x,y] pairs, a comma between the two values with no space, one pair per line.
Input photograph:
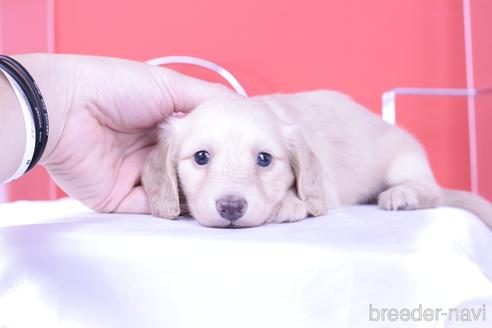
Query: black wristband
[36,102]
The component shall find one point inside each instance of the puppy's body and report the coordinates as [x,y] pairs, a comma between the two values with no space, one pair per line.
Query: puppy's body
[355,147]
[328,151]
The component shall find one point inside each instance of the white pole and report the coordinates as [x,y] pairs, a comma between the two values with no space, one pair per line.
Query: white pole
[470,85]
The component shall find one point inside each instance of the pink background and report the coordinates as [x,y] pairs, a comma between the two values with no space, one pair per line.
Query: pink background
[359,47]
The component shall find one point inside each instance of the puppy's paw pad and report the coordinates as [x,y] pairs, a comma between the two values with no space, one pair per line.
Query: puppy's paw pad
[399,198]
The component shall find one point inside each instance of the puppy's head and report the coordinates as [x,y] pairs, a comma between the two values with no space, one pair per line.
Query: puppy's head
[234,161]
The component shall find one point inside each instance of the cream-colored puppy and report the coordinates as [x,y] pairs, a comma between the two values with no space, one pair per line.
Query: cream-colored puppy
[245,162]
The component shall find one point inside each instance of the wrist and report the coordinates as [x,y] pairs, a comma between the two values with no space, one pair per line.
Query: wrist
[12,133]
[51,76]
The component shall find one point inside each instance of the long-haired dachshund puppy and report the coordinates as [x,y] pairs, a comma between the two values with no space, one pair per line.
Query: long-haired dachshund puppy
[279,158]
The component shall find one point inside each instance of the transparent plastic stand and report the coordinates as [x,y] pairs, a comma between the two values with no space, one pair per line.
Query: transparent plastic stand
[207,64]
[389,115]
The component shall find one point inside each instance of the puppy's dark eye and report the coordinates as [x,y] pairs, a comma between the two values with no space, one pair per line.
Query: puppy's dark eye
[263,159]
[201,157]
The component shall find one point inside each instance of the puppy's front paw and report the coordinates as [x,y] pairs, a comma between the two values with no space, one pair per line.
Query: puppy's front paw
[164,209]
[410,196]
[290,209]
[399,198]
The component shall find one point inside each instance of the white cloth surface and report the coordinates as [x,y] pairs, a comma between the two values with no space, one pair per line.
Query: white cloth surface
[64,266]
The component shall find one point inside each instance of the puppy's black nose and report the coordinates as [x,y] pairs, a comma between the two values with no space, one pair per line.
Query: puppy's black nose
[231,207]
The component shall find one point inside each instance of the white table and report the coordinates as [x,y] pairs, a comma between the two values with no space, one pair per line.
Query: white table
[63,266]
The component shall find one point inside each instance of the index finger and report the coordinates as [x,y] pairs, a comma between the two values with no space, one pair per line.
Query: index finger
[187,92]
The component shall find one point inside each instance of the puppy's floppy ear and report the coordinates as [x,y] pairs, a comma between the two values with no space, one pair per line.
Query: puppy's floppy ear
[159,177]
[308,172]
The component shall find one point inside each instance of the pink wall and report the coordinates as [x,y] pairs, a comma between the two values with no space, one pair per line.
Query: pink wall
[360,47]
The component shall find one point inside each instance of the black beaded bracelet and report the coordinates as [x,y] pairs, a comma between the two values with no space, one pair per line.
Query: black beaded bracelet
[36,102]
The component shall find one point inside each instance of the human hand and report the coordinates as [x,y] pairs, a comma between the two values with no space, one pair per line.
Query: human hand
[104,115]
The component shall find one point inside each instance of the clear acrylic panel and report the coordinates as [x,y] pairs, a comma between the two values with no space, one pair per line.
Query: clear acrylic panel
[457,139]
[27,26]
[459,119]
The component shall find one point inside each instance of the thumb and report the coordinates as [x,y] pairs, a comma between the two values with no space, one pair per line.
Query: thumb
[135,202]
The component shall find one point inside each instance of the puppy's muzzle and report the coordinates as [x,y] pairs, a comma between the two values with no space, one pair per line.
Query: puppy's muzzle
[231,207]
